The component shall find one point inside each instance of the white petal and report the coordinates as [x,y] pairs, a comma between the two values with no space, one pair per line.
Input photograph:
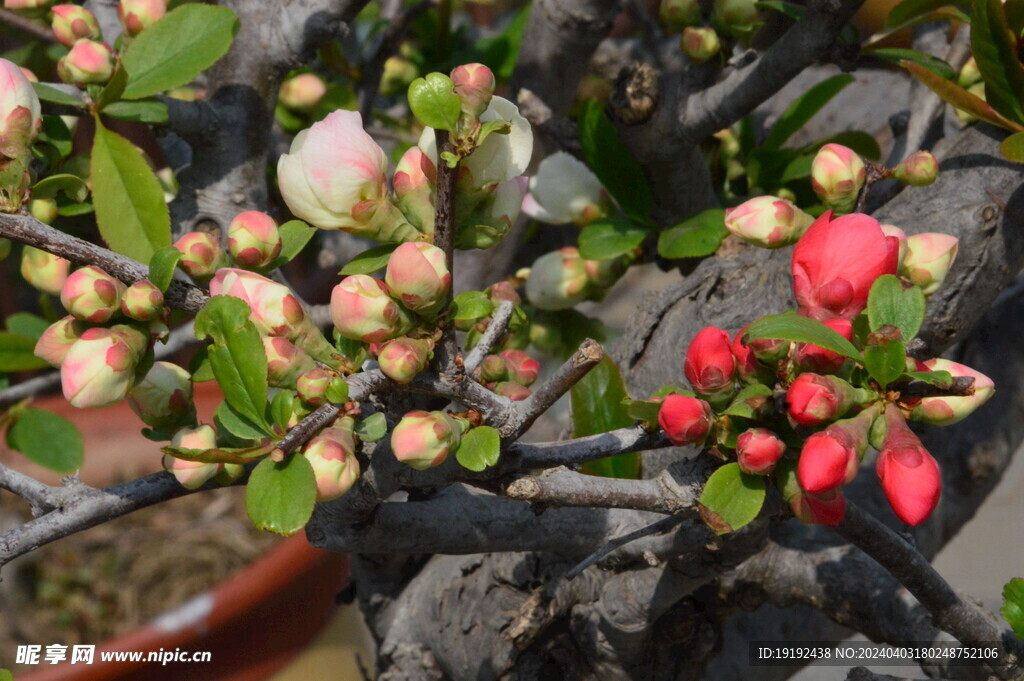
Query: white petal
[565,187]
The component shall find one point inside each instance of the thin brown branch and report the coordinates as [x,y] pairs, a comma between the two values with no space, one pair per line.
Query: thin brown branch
[34,29]
[444,238]
[495,330]
[961,386]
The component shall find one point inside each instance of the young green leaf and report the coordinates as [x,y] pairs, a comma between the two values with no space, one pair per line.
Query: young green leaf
[887,362]
[613,162]
[731,498]
[16,353]
[1013,147]
[162,266]
[280,496]
[642,410]
[744,404]
[433,101]
[953,94]
[803,109]
[480,448]
[894,55]
[609,238]
[71,186]
[942,379]
[113,90]
[472,305]
[48,93]
[369,261]
[891,303]
[144,111]
[48,440]
[801,330]
[227,418]
[995,52]
[597,407]
[176,49]
[295,234]
[26,324]
[1013,605]
[129,200]
[695,237]
[372,428]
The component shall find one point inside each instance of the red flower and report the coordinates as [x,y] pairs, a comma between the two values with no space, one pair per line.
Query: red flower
[686,420]
[909,475]
[710,366]
[836,261]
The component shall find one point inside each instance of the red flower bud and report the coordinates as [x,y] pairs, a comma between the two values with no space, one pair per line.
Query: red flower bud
[520,367]
[909,475]
[686,420]
[813,399]
[710,366]
[820,509]
[825,460]
[757,451]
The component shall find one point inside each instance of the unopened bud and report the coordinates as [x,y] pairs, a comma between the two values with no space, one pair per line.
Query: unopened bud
[332,453]
[361,309]
[57,339]
[928,259]
[44,271]
[758,450]
[163,399]
[700,43]
[99,369]
[398,74]
[685,420]
[88,62]
[918,170]
[285,361]
[520,367]
[44,210]
[734,17]
[969,75]
[137,15]
[72,23]
[402,359]
[837,175]
[474,84]
[767,221]
[898,234]
[92,295]
[201,255]
[501,291]
[558,280]
[676,15]
[512,391]
[142,301]
[312,386]
[814,399]
[253,239]
[828,508]
[493,369]
[944,411]
[818,360]
[710,366]
[909,475]
[302,92]
[424,439]
[418,276]
[192,474]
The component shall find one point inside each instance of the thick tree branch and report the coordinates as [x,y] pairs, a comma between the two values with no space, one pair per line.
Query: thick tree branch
[589,448]
[569,374]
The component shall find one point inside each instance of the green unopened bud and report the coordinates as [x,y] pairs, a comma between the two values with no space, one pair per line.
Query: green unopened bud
[837,175]
[402,359]
[493,369]
[700,44]
[44,210]
[44,271]
[918,170]
[676,15]
[143,301]
[734,17]
[302,92]
[558,280]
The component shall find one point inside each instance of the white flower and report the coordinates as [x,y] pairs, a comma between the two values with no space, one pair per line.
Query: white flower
[563,190]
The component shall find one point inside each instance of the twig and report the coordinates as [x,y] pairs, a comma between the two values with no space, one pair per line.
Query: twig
[39,496]
[444,238]
[964,620]
[874,173]
[27,26]
[495,330]
[660,527]
[27,230]
[569,374]
[590,448]
[961,386]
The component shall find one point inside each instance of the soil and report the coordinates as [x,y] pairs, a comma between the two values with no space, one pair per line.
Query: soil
[112,578]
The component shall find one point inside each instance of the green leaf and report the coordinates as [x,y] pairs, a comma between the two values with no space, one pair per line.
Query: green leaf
[144,111]
[71,186]
[609,238]
[613,162]
[480,448]
[799,329]
[597,407]
[909,10]
[6,675]
[1013,605]
[281,409]
[369,261]
[1013,147]
[16,353]
[280,496]
[433,101]
[372,428]
[177,48]
[56,134]
[52,95]
[227,418]
[890,302]
[803,109]
[695,237]
[789,9]
[236,356]
[995,51]
[895,55]
[295,234]
[886,363]
[472,305]
[960,98]
[744,404]
[642,410]
[48,440]
[731,498]
[113,90]
[162,266]
[942,379]
[27,324]
[495,127]
[129,200]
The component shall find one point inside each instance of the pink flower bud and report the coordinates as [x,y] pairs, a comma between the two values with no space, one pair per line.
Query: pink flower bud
[710,366]
[818,360]
[676,15]
[57,339]
[201,255]
[565,190]
[909,475]
[361,309]
[275,309]
[312,386]
[836,262]
[758,450]
[918,170]
[837,175]
[43,270]
[136,15]
[685,420]
[521,368]
[558,280]
[302,92]
[424,439]
[142,301]
[944,411]
[929,257]
[402,358]
[828,508]
[501,291]
[474,84]
[192,474]
[163,399]
[92,295]
[99,369]
[767,221]
[89,61]
[493,369]
[44,210]
[332,453]
[285,361]
[253,239]
[398,74]
[734,16]
[700,43]
[512,391]
[418,276]
[813,399]
[20,113]
[74,22]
